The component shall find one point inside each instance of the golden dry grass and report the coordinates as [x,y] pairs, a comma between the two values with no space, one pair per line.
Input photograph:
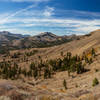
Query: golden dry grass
[75,84]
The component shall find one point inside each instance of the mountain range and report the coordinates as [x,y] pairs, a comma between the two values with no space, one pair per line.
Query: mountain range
[46,39]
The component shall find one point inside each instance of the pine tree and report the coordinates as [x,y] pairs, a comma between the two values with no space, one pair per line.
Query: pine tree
[69,55]
[46,73]
[35,73]
[62,54]
[80,68]
[93,52]
[65,84]
[32,66]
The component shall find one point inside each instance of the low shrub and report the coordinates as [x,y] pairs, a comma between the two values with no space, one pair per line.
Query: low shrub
[95,82]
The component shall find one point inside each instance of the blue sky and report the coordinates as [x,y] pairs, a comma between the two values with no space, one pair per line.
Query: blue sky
[62,17]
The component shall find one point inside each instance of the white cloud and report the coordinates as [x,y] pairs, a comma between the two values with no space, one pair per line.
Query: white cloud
[49,11]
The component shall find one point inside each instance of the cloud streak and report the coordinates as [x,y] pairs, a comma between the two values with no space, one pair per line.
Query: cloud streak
[16,13]
[33,21]
[19,1]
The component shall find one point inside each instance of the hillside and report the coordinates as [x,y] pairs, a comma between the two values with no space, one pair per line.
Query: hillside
[85,43]
[79,83]
[77,46]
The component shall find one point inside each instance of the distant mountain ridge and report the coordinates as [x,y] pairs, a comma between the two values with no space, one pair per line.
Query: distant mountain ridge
[8,37]
[48,36]
[17,41]
[45,39]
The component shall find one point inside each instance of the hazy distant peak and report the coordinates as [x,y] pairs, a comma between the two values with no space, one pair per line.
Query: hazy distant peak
[5,32]
[47,33]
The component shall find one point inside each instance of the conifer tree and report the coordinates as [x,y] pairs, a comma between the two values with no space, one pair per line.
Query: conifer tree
[93,52]
[65,84]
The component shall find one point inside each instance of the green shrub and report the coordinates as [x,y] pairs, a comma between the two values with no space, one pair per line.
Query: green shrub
[96,70]
[95,82]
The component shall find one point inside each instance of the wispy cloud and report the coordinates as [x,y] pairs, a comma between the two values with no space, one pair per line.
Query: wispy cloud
[16,13]
[33,21]
[24,0]
[63,26]
[48,11]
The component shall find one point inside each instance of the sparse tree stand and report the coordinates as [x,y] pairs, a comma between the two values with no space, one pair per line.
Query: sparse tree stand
[65,84]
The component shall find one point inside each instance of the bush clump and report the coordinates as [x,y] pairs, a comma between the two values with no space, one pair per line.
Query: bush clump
[95,82]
